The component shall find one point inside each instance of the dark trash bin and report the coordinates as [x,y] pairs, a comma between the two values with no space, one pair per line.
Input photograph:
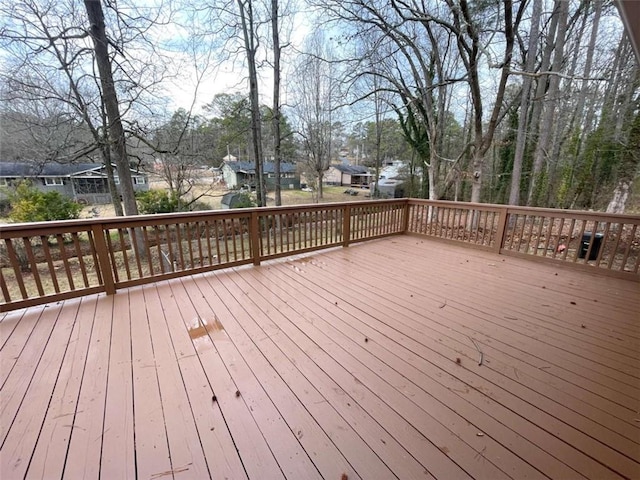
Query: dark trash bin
[595,249]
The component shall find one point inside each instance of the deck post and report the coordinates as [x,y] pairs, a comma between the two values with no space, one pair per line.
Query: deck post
[103,258]
[253,234]
[346,225]
[502,228]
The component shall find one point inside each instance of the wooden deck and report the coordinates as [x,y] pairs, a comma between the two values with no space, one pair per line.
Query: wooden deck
[396,358]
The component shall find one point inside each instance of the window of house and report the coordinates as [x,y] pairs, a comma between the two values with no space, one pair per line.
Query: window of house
[139,180]
[53,181]
[116,180]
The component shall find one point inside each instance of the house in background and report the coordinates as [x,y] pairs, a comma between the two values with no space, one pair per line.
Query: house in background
[243,174]
[348,175]
[85,183]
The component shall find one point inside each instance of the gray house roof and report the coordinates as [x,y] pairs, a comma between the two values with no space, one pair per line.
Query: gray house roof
[352,169]
[267,167]
[26,170]
[23,170]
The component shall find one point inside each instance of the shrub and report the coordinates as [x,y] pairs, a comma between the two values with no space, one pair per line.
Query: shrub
[5,207]
[244,200]
[157,201]
[31,205]
[198,207]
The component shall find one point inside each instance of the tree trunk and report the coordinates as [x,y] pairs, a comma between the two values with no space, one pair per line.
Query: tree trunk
[276,100]
[110,100]
[320,178]
[582,98]
[476,181]
[628,169]
[532,53]
[620,196]
[378,139]
[483,137]
[113,188]
[247,19]
[433,194]
[549,108]
[541,82]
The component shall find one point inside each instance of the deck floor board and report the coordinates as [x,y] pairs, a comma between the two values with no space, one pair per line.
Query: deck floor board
[345,290]
[87,425]
[431,415]
[24,357]
[49,455]
[316,445]
[342,446]
[394,358]
[118,451]
[220,451]
[256,454]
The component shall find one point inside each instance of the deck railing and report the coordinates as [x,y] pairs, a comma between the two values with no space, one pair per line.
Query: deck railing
[51,261]
[598,242]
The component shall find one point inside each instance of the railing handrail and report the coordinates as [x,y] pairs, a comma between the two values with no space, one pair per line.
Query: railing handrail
[519,208]
[132,219]
[234,212]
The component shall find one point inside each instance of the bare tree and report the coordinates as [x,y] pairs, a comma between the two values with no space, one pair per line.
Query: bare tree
[251,44]
[425,71]
[36,81]
[181,151]
[315,101]
[551,100]
[414,77]
[53,64]
[469,38]
[110,100]
[525,101]
[277,140]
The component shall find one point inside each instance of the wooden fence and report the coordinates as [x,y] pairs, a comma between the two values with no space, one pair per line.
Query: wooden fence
[51,261]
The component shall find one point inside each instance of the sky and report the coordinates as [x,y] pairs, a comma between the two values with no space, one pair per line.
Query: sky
[231,76]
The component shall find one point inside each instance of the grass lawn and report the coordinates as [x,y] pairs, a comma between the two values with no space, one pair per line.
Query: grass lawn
[213,196]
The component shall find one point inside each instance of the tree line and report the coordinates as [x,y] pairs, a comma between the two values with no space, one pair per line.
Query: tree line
[533,102]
